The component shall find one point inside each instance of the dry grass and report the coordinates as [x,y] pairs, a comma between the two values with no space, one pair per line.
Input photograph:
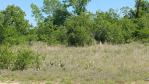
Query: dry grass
[98,64]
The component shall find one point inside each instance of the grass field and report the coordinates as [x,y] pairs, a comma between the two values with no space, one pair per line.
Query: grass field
[98,64]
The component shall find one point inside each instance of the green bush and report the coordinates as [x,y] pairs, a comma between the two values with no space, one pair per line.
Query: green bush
[57,36]
[19,60]
[101,29]
[115,34]
[128,28]
[26,59]
[7,58]
[79,30]
[79,37]
[108,28]
[142,35]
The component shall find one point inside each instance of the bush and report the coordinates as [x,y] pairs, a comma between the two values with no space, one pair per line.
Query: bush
[26,59]
[142,35]
[57,36]
[108,28]
[101,29]
[7,57]
[79,37]
[19,60]
[79,30]
[115,34]
[128,28]
[51,34]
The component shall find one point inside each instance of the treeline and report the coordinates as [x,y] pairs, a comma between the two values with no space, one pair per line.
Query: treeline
[69,23]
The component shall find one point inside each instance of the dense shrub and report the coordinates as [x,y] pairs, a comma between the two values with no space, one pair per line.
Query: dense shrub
[142,29]
[128,28]
[79,37]
[51,34]
[7,57]
[101,28]
[79,30]
[25,59]
[107,28]
[115,34]
[19,60]
[142,35]
[58,36]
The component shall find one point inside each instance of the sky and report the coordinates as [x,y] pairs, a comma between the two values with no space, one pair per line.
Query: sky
[93,6]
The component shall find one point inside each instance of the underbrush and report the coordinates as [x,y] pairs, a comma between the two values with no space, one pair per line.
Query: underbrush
[18,60]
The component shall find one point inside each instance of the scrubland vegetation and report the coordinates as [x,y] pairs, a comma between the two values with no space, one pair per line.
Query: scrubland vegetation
[98,64]
[75,47]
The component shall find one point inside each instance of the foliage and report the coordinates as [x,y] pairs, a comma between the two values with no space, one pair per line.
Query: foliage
[79,6]
[68,22]
[26,59]
[7,58]
[127,28]
[37,13]
[15,17]
[107,28]
[13,25]
[142,7]
[79,30]
[18,60]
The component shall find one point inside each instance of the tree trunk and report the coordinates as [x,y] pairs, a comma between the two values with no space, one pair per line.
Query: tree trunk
[138,4]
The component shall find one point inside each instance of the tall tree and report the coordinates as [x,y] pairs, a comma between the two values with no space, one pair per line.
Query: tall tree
[138,4]
[1,26]
[14,17]
[53,11]
[142,7]
[78,5]
[50,6]
[37,13]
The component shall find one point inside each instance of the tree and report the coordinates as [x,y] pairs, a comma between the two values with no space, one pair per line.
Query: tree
[138,4]
[142,7]
[52,10]
[37,13]
[14,16]
[1,26]
[13,24]
[50,6]
[59,16]
[78,5]
[56,11]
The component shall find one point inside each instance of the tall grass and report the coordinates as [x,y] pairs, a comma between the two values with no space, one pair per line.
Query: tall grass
[98,64]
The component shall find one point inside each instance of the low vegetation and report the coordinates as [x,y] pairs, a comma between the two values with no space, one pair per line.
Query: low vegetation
[18,59]
[99,64]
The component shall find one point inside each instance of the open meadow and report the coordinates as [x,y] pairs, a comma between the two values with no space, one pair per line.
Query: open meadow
[97,64]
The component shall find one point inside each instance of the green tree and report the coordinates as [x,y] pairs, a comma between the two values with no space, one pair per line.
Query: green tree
[14,16]
[13,24]
[142,7]
[50,6]
[37,13]
[1,26]
[51,29]
[79,6]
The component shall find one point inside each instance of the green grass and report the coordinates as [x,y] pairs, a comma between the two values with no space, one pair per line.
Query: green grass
[98,64]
